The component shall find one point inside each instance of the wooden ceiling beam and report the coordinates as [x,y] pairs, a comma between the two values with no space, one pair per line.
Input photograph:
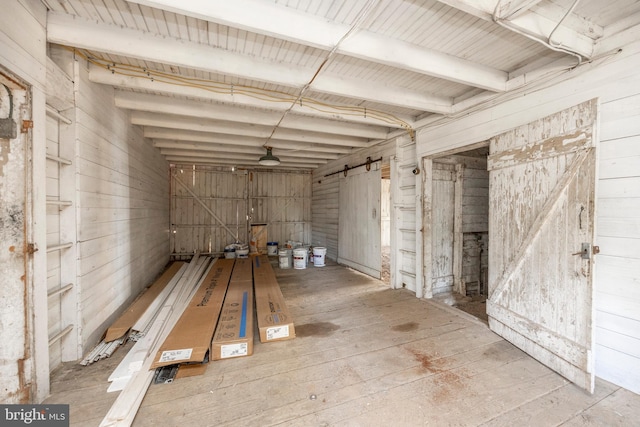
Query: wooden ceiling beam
[298,27]
[239,156]
[237,98]
[510,9]
[203,126]
[257,151]
[183,107]
[195,136]
[531,23]
[307,149]
[235,162]
[86,34]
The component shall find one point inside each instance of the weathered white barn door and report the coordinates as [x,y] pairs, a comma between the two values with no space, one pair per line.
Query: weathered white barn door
[541,233]
[16,232]
[359,220]
[443,218]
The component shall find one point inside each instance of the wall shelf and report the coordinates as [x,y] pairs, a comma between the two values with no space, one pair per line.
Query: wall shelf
[62,290]
[60,160]
[59,247]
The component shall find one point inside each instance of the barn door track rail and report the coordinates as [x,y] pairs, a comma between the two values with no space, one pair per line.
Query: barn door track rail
[347,168]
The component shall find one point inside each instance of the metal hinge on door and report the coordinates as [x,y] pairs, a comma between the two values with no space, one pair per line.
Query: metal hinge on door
[31,248]
[26,125]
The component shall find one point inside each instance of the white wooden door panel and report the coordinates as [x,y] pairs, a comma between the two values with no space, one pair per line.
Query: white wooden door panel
[443,211]
[542,193]
[359,220]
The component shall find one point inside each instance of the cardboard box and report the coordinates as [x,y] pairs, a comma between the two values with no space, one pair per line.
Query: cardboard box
[242,270]
[125,322]
[234,334]
[274,320]
[190,339]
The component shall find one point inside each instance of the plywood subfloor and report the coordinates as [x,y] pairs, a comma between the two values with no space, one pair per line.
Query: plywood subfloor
[365,355]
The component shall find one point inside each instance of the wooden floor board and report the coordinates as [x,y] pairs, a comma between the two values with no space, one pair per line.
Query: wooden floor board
[552,407]
[620,408]
[364,355]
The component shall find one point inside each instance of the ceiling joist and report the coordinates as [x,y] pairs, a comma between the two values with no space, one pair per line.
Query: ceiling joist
[288,24]
[189,135]
[86,34]
[192,108]
[237,97]
[192,125]
[305,149]
[189,160]
[215,81]
[530,23]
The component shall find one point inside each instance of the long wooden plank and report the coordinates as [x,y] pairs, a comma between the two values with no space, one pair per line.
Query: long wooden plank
[124,409]
[125,322]
[143,321]
[133,360]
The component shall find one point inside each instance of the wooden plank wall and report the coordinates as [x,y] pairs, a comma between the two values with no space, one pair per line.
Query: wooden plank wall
[617,296]
[281,199]
[122,207]
[616,83]
[325,199]
[193,228]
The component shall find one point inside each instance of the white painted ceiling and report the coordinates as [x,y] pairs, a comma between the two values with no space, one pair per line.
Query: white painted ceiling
[216,81]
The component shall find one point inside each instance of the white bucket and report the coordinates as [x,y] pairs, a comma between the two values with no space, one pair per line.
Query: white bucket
[272,248]
[229,254]
[318,256]
[300,258]
[284,258]
[242,253]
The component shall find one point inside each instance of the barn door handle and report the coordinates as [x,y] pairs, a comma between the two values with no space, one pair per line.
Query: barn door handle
[585,253]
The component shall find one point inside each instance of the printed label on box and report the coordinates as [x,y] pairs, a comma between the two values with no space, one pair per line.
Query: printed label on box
[277,332]
[175,355]
[233,350]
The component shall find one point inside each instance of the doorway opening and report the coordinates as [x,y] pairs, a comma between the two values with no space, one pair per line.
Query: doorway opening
[460,230]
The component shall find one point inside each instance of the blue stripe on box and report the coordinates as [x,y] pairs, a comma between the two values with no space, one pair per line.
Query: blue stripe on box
[257,262]
[243,318]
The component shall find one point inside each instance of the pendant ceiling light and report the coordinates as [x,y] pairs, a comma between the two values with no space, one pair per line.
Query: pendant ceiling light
[269,159]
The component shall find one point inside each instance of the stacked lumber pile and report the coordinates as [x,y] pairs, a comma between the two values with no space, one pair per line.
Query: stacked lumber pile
[207,314]
[135,321]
